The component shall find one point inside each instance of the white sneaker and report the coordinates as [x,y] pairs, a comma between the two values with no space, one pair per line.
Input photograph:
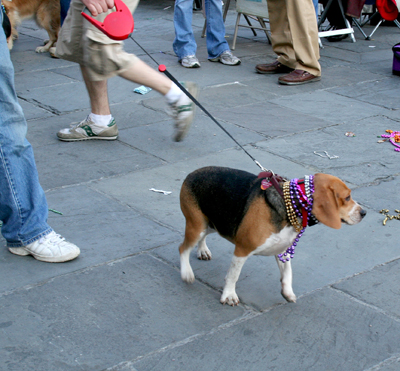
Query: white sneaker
[227,58]
[190,61]
[182,111]
[87,129]
[51,248]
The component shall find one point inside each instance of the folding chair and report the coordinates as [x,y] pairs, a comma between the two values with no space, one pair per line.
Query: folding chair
[329,32]
[361,23]
[256,10]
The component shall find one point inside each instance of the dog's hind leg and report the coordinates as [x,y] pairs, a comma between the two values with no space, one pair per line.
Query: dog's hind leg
[286,280]
[203,252]
[193,233]
[195,229]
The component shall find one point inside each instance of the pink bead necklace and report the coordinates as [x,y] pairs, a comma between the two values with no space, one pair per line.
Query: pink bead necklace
[394,138]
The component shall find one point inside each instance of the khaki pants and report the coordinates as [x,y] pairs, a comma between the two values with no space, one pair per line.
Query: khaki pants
[81,42]
[294,34]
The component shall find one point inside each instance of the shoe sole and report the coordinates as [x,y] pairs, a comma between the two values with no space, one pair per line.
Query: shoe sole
[272,72]
[88,138]
[193,89]
[194,66]
[225,64]
[21,251]
[300,83]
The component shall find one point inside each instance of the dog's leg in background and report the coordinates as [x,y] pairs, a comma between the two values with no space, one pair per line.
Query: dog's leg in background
[194,231]
[229,295]
[286,280]
[203,252]
[192,236]
[48,17]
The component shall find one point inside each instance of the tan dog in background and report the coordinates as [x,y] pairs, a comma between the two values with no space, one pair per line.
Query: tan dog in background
[46,13]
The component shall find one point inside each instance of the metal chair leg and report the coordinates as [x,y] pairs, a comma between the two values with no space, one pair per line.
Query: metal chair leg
[236,32]
[373,31]
[264,26]
[249,23]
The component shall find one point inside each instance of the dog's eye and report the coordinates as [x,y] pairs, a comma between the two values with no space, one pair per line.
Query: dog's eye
[347,198]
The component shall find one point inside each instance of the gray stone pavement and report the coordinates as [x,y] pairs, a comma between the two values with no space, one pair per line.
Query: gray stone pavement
[122,305]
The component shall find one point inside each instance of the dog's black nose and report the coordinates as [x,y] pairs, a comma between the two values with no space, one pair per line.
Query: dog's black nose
[363,213]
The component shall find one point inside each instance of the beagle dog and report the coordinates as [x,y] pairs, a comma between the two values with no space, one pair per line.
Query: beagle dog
[259,219]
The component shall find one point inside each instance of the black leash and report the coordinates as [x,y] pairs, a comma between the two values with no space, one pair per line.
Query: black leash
[163,69]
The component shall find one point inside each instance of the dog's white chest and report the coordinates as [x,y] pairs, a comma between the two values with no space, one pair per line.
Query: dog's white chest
[277,242]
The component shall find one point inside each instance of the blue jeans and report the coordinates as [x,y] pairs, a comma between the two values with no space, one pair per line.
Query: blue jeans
[23,206]
[64,4]
[184,43]
[315,3]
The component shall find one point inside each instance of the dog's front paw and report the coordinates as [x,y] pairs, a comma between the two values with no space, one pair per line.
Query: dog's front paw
[230,299]
[187,275]
[289,295]
[42,49]
[204,254]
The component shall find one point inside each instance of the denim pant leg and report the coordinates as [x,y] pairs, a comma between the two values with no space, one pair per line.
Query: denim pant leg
[215,34]
[184,43]
[315,3]
[64,4]
[23,206]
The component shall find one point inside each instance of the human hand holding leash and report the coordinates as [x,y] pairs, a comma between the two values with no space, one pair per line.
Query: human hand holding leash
[97,7]
[117,25]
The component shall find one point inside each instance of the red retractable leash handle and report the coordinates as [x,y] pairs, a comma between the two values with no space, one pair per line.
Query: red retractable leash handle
[117,25]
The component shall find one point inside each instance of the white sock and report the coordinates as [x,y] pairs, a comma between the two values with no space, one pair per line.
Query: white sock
[174,94]
[100,120]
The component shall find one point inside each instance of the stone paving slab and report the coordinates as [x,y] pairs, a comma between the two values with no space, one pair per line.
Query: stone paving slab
[285,338]
[171,177]
[155,139]
[81,321]
[270,119]
[330,107]
[74,90]
[40,79]
[378,288]
[33,112]
[361,158]
[392,364]
[323,256]
[380,195]
[42,131]
[73,71]
[382,67]
[64,316]
[83,161]
[30,61]
[104,229]
[382,93]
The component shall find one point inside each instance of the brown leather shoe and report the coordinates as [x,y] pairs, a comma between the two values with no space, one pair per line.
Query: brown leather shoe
[298,77]
[276,67]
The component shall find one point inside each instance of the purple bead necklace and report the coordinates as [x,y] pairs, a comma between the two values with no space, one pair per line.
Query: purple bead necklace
[298,193]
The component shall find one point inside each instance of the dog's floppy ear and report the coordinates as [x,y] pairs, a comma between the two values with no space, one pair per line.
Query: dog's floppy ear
[325,205]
